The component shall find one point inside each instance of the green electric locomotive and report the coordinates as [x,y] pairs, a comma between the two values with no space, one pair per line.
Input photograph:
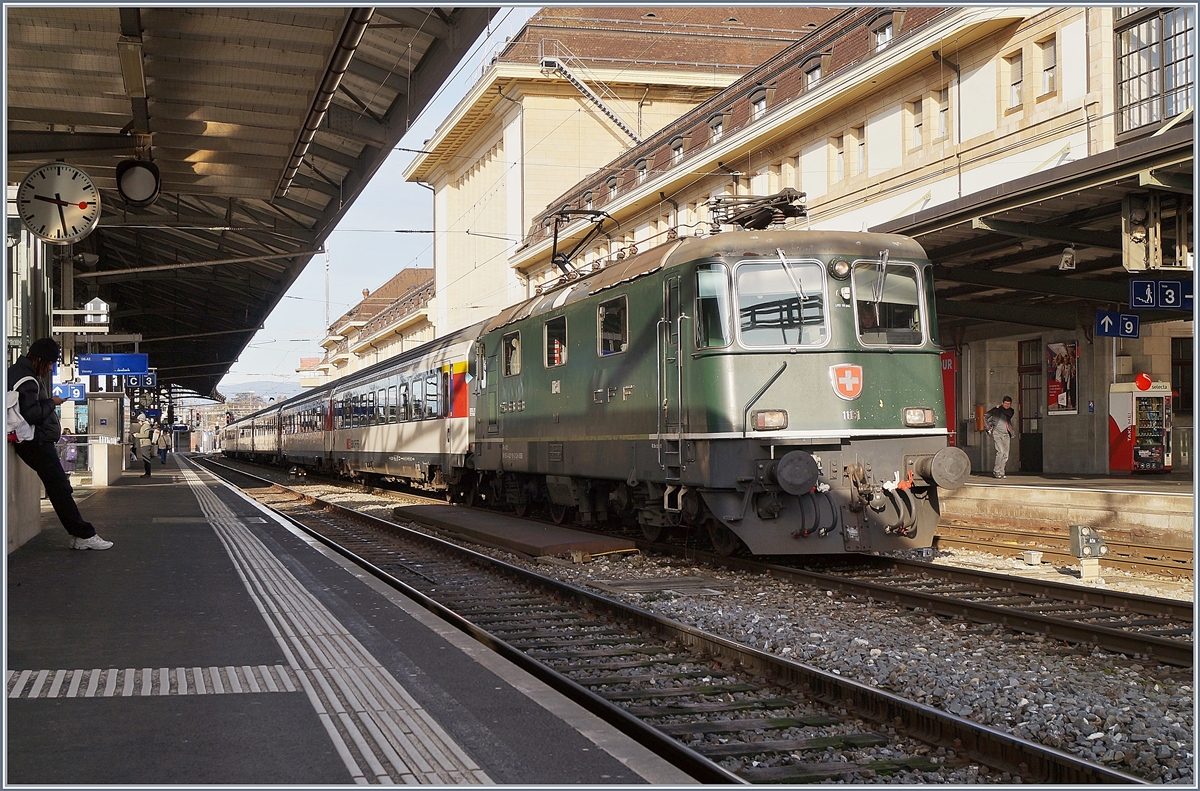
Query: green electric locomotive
[780,390]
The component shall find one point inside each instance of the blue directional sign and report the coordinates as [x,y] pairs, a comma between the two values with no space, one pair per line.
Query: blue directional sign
[1143,294]
[1111,324]
[1107,322]
[153,414]
[110,364]
[142,380]
[1128,328]
[71,392]
[1160,294]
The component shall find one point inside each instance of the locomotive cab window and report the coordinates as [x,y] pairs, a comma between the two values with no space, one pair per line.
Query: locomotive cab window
[512,353]
[712,306]
[781,304]
[612,323]
[556,342]
[887,304]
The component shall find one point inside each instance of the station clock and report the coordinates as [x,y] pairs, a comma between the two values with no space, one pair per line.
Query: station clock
[58,203]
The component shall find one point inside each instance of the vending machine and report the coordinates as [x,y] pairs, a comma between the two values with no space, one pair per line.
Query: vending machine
[1139,426]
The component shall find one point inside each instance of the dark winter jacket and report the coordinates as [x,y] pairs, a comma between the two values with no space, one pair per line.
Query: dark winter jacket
[999,418]
[35,403]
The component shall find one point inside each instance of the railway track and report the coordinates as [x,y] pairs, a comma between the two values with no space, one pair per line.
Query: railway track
[720,710]
[1056,548]
[1143,627]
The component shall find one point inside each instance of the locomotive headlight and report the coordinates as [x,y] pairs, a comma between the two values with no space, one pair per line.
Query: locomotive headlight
[918,416]
[839,268]
[769,419]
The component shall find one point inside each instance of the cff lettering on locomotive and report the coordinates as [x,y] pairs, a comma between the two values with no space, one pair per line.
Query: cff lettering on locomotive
[779,392]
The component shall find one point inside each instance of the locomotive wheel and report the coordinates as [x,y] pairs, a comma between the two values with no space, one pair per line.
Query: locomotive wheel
[558,513]
[521,508]
[651,532]
[725,541]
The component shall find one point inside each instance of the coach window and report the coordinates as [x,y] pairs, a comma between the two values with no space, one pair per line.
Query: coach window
[612,322]
[393,404]
[381,406]
[512,353]
[370,410]
[447,394]
[556,342]
[780,306]
[431,394]
[405,412]
[887,303]
[418,398]
[712,306]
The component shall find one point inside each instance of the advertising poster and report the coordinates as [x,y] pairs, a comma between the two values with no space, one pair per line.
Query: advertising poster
[1062,384]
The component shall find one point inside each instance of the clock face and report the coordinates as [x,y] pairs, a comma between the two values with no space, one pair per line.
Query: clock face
[58,203]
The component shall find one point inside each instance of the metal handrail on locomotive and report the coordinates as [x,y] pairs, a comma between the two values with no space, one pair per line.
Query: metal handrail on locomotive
[779,391]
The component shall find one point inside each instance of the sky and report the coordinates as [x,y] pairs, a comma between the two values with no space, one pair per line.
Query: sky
[364,250]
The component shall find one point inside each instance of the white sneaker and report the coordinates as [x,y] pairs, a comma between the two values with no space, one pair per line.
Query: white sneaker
[95,542]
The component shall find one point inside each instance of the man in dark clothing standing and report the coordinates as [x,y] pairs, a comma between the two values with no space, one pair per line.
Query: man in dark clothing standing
[998,421]
[37,407]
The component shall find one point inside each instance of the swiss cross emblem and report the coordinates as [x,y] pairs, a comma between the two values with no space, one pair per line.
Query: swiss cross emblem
[847,380]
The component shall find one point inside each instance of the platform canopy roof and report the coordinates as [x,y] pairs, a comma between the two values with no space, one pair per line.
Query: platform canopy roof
[265,124]
[997,253]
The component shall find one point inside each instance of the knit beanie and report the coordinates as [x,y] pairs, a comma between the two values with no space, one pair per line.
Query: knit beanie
[45,349]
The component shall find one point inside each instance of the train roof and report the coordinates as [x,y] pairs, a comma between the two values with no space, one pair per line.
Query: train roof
[731,244]
[371,371]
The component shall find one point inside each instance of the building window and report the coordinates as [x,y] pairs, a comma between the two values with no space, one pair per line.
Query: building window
[1182,386]
[839,148]
[883,36]
[677,150]
[588,200]
[717,125]
[860,162]
[758,107]
[612,188]
[943,112]
[812,77]
[1154,66]
[642,167]
[1049,53]
[917,110]
[1014,80]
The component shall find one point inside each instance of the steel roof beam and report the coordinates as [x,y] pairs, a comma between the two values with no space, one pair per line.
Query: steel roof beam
[1038,284]
[72,144]
[397,83]
[352,124]
[414,19]
[1166,180]
[1025,230]
[1013,314]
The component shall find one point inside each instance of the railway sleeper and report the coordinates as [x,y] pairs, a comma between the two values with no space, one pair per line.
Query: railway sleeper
[643,678]
[763,704]
[743,749]
[656,694]
[740,726]
[815,772]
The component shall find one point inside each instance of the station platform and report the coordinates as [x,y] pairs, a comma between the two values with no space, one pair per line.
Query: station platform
[1149,510]
[214,644]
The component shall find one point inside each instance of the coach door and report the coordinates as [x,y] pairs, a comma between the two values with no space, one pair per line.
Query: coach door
[670,382]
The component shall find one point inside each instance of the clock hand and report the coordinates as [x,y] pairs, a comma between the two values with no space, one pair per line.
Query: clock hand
[62,217]
[82,204]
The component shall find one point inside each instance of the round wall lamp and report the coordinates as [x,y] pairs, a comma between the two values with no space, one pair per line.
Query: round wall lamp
[139,182]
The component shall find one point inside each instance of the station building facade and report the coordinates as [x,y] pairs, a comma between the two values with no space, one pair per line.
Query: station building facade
[573,89]
[885,118]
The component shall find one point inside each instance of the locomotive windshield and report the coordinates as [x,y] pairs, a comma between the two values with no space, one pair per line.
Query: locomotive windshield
[887,303]
[781,307]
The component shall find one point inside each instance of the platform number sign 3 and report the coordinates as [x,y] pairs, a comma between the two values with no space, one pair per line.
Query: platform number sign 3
[58,203]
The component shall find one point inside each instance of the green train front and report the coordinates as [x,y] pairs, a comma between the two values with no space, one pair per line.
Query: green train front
[780,389]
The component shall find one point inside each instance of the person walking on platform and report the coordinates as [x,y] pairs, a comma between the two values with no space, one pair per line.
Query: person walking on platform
[998,422]
[145,446]
[163,440]
[30,377]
